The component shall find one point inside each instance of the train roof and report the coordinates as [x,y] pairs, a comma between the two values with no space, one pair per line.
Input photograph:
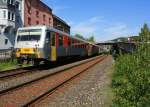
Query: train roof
[43,27]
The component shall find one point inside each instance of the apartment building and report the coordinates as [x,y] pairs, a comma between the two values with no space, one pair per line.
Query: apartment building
[7,23]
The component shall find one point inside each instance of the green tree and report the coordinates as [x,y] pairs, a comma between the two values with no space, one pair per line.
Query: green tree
[91,39]
[79,36]
[145,33]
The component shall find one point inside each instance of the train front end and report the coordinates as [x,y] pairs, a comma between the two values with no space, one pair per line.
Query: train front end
[28,45]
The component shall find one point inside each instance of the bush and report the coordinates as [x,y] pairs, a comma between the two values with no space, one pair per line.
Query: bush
[131,80]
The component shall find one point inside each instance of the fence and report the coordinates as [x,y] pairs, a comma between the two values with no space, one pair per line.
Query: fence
[6,55]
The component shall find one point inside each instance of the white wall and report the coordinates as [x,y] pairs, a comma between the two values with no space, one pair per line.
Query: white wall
[2,14]
[4,20]
[2,41]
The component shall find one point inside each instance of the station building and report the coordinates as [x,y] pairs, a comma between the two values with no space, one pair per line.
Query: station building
[23,13]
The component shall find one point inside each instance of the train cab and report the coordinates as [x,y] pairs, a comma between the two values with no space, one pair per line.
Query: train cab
[35,43]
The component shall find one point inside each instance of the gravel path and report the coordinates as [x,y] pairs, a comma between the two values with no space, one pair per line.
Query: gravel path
[89,90]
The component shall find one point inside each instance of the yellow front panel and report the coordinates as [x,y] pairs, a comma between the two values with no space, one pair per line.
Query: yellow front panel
[53,53]
[27,51]
[24,51]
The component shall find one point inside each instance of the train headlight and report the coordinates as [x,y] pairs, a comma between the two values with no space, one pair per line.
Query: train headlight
[18,50]
[34,50]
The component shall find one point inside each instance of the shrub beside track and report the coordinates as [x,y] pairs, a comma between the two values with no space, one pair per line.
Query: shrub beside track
[131,80]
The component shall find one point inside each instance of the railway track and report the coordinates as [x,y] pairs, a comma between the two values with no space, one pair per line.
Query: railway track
[13,72]
[29,93]
[21,70]
[29,74]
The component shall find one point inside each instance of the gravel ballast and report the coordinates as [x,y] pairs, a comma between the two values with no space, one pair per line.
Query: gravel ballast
[88,90]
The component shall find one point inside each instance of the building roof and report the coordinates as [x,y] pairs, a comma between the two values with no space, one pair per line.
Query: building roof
[45,5]
[54,16]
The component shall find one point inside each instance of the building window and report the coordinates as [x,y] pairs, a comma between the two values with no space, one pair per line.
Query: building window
[6,41]
[49,20]
[4,14]
[13,17]
[17,5]
[12,2]
[8,1]
[29,21]
[37,13]
[37,22]
[29,10]
[44,17]
[9,15]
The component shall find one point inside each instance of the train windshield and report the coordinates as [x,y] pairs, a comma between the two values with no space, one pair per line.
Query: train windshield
[29,35]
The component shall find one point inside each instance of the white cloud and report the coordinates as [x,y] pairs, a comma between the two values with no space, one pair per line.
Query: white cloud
[103,30]
[118,30]
[88,27]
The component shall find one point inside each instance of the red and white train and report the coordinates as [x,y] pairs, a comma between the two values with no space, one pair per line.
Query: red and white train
[42,43]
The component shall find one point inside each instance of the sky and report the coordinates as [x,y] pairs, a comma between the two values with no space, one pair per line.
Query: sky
[103,19]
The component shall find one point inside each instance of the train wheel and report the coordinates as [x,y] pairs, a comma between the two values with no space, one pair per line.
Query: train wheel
[35,62]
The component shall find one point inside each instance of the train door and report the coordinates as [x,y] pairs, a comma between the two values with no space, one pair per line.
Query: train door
[53,46]
[47,46]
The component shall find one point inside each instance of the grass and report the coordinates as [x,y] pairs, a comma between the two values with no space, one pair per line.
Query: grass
[7,65]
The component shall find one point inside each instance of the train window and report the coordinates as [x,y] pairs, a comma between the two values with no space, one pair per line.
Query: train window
[75,43]
[52,39]
[72,41]
[18,38]
[69,41]
[48,37]
[28,38]
[60,40]
[29,35]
